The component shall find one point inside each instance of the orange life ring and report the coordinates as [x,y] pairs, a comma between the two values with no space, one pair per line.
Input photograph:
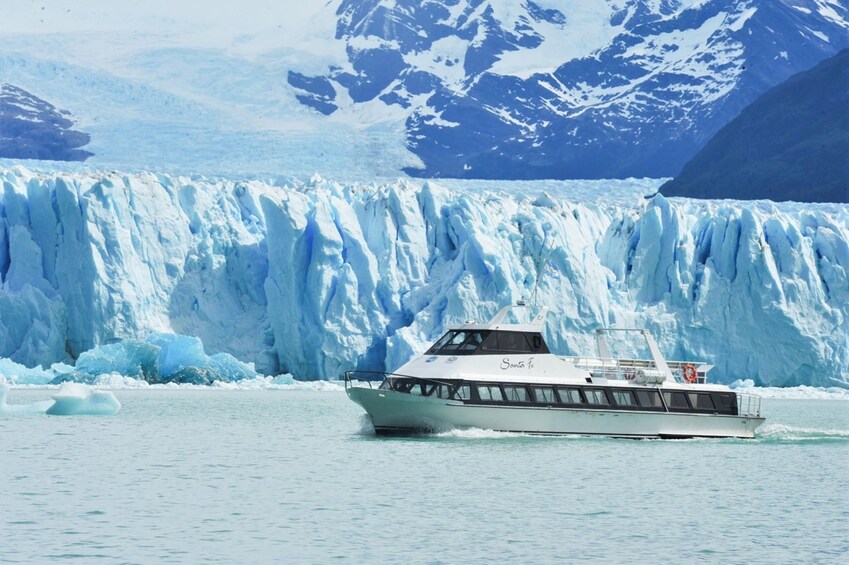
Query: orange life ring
[690,374]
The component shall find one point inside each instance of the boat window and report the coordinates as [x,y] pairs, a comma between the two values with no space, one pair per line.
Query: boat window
[544,394]
[417,389]
[441,342]
[701,401]
[649,399]
[676,400]
[516,393]
[458,342]
[455,342]
[624,398]
[506,342]
[570,395]
[386,384]
[596,396]
[490,393]
[726,402]
[463,392]
[537,343]
[443,391]
[402,385]
[472,342]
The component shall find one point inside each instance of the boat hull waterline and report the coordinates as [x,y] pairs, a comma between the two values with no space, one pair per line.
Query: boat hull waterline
[394,413]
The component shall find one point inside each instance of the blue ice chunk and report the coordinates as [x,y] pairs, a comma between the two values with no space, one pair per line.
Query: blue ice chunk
[19,374]
[129,358]
[75,399]
[227,365]
[177,352]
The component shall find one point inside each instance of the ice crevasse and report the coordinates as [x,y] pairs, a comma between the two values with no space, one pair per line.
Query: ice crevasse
[314,278]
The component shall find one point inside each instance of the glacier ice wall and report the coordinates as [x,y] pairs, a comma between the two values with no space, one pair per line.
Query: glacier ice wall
[316,278]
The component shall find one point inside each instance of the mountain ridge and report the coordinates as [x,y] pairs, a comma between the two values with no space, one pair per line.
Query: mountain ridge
[792,143]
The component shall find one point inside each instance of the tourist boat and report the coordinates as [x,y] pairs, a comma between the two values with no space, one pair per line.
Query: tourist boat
[502,376]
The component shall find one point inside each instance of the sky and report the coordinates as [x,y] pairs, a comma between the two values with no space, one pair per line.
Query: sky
[201,22]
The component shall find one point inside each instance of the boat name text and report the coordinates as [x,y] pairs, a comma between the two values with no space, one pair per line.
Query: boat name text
[506,364]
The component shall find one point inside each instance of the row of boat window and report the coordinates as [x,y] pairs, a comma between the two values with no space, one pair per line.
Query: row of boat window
[488,342]
[640,399]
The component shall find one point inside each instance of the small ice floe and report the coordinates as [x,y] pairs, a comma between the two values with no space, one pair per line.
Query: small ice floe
[75,399]
[34,408]
[72,399]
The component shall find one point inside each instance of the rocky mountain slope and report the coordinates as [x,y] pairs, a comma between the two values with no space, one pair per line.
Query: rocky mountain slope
[792,143]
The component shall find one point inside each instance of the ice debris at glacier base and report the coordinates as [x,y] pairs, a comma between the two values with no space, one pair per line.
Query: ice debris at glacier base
[72,399]
[160,358]
[316,278]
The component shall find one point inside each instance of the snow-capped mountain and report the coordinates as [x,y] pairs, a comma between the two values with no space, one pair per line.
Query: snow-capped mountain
[451,88]
[318,278]
[545,89]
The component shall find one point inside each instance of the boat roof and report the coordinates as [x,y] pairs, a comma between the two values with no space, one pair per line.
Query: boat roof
[499,321]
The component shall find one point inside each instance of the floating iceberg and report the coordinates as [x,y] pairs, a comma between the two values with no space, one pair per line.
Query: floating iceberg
[72,399]
[33,408]
[75,399]
[316,278]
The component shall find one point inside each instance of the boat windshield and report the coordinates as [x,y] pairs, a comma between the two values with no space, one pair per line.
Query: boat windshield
[488,342]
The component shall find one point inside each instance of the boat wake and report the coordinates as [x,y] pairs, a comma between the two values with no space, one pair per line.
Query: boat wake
[477,433]
[782,432]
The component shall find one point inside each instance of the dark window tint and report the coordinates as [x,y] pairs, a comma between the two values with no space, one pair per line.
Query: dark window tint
[570,395]
[676,400]
[403,385]
[701,401]
[442,341]
[458,342]
[596,396]
[463,392]
[544,394]
[472,342]
[624,398]
[537,343]
[490,393]
[649,399]
[506,342]
[726,402]
[516,393]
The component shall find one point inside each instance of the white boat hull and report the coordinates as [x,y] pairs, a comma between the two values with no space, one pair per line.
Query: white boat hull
[395,412]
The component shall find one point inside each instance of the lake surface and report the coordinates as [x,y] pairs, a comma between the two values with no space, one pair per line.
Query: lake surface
[212,476]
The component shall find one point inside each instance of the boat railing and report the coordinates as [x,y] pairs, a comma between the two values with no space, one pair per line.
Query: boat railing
[626,369]
[748,405]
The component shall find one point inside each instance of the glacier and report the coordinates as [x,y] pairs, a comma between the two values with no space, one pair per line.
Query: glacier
[315,277]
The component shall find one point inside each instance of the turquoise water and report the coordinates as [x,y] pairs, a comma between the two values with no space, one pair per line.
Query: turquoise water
[206,476]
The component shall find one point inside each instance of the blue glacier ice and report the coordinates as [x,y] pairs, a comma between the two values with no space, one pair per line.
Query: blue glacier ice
[163,357]
[314,278]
